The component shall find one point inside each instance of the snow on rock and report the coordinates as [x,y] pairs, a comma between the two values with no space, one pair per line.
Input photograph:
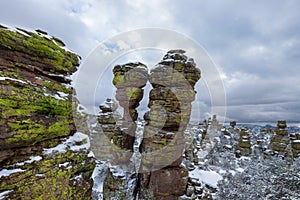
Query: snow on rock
[64,164]
[98,177]
[8,172]
[32,159]
[12,79]
[72,144]
[3,194]
[240,169]
[210,178]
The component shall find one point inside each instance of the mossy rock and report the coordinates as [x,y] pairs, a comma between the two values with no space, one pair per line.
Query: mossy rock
[40,49]
[296,145]
[48,179]
[130,75]
[278,146]
[281,124]
[245,145]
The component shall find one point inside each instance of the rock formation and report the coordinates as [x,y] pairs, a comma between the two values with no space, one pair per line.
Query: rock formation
[244,144]
[295,141]
[116,140]
[173,81]
[233,124]
[280,139]
[101,140]
[36,113]
[129,79]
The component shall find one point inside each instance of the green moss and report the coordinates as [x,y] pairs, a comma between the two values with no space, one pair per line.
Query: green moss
[55,183]
[39,48]
[245,145]
[179,66]
[34,132]
[23,104]
[118,80]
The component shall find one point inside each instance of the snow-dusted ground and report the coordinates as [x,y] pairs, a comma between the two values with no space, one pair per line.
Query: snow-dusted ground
[210,178]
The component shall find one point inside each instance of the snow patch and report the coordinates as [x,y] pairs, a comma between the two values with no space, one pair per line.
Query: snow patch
[32,159]
[210,178]
[71,143]
[8,172]
[91,155]
[64,164]
[12,79]
[3,194]
[240,169]
[98,176]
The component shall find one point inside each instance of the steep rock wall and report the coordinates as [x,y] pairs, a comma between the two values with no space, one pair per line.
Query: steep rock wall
[35,114]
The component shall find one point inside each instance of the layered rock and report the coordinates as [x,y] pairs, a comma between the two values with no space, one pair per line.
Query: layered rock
[36,113]
[295,141]
[129,79]
[118,134]
[244,144]
[280,139]
[173,81]
[101,139]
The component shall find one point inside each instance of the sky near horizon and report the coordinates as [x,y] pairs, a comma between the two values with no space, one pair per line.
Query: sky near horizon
[254,44]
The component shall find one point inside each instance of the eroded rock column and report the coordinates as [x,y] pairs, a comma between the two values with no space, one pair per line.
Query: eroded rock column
[280,139]
[129,79]
[173,81]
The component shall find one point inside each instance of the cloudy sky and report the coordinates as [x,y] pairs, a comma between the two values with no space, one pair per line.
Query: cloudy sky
[255,45]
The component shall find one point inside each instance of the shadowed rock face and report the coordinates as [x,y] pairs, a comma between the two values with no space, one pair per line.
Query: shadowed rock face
[36,113]
[173,82]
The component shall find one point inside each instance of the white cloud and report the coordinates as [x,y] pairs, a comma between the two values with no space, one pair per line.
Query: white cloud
[255,50]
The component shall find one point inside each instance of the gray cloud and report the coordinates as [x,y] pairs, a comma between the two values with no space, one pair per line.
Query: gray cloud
[255,44]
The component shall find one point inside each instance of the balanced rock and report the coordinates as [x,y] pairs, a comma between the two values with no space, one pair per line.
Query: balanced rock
[280,139]
[173,81]
[244,143]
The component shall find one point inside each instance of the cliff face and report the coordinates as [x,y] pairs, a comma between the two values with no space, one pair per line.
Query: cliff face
[36,113]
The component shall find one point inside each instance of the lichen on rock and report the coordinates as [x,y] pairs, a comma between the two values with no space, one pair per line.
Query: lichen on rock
[36,113]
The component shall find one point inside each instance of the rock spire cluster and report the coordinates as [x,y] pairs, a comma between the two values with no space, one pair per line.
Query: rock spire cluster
[172,80]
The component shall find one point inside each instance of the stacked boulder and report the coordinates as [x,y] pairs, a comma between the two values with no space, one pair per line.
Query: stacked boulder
[173,82]
[119,133]
[280,139]
[129,79]
[244,143]
[101,141]
[295,140]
